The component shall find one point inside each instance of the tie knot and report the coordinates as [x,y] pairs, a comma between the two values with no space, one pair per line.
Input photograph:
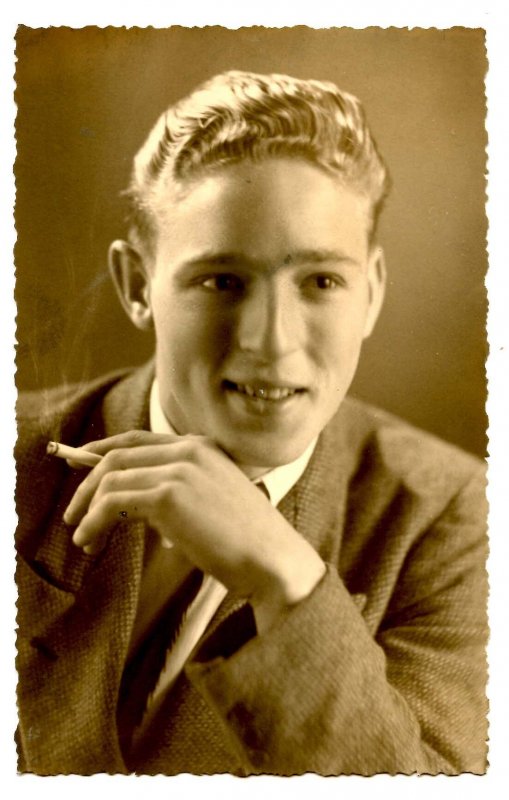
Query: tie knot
[261,486]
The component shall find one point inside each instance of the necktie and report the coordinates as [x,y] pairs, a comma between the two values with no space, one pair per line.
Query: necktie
[263,489]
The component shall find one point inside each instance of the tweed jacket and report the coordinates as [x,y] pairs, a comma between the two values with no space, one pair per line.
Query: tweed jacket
[380,670]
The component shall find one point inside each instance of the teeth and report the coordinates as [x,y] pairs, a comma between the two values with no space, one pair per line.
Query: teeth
[265,393]
[277,394]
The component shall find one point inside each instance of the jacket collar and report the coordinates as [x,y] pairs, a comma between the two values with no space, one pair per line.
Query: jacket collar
[316,506]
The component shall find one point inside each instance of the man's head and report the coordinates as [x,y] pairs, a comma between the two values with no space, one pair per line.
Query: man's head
[252,253]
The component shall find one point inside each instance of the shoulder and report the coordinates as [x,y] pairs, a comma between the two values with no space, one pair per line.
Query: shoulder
[47,405]
[63,412]
[414,457]
[55,413]
[74,414]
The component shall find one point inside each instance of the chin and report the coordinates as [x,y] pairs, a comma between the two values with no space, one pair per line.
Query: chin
[266,454]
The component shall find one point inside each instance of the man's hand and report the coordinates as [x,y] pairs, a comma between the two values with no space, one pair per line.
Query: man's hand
[189,491]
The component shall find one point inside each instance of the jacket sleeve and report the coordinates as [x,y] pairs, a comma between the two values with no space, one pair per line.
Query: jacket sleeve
[322,692]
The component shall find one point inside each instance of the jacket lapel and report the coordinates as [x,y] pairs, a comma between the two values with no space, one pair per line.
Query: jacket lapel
[78,610]
[316,505]
[79,643]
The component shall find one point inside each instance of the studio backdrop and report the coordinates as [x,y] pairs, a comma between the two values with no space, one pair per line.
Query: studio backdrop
[86,100]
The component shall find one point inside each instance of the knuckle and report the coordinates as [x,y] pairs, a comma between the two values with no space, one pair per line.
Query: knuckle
[113,460]
[180,473]
[187,447]
[183,452]
[203,441]
[196,448]
[136,436]
[158,493]
[109,481]
[162,496]
[107,505]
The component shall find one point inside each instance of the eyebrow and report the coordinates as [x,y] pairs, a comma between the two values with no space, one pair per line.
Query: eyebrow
[321,256]
[297,258]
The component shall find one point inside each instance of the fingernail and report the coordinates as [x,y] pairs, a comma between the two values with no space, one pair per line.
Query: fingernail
[78,539]
[69,518]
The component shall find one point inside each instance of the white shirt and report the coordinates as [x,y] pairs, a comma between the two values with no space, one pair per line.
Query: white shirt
[278,482]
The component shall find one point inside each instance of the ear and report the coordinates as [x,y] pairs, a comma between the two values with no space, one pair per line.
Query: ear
[377,278]
[132,282]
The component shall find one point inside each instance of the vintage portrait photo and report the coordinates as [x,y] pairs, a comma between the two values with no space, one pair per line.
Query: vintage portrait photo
[251,387]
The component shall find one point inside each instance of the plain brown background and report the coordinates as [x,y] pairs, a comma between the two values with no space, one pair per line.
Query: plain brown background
[86,100]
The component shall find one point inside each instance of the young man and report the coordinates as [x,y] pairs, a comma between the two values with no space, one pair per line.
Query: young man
[259,576]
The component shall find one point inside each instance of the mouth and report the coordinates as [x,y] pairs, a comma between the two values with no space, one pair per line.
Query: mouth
[268,392]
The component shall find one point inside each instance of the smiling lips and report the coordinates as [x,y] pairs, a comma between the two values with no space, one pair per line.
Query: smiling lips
[264,391]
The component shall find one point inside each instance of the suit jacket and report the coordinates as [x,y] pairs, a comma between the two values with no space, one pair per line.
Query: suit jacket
[380,670]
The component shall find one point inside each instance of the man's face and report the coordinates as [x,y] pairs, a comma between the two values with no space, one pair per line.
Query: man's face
[262,290]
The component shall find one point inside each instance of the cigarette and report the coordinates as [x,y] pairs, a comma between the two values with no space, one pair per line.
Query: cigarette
[78,454]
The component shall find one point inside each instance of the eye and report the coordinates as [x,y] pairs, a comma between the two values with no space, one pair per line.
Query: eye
[223,282]
[324,282]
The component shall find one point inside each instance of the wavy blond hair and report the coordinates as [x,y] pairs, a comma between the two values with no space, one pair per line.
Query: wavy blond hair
[242,115]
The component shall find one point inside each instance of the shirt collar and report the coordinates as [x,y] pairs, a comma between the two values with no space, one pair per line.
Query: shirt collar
[278,481]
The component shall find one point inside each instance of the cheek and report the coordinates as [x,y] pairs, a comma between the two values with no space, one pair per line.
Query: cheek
[190,335]
[335,337]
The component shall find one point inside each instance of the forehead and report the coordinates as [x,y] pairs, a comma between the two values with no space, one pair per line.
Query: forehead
[260,208]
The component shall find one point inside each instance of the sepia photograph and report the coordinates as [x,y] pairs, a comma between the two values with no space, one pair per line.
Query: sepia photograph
[251,391]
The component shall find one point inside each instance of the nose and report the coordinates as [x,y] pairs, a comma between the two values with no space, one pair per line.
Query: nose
[269,322]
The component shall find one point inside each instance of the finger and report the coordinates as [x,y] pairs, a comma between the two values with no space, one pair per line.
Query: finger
[76,464]
[141,480]
[179,450]
[135,438]
[95,527]
[98,545]
[124,460]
